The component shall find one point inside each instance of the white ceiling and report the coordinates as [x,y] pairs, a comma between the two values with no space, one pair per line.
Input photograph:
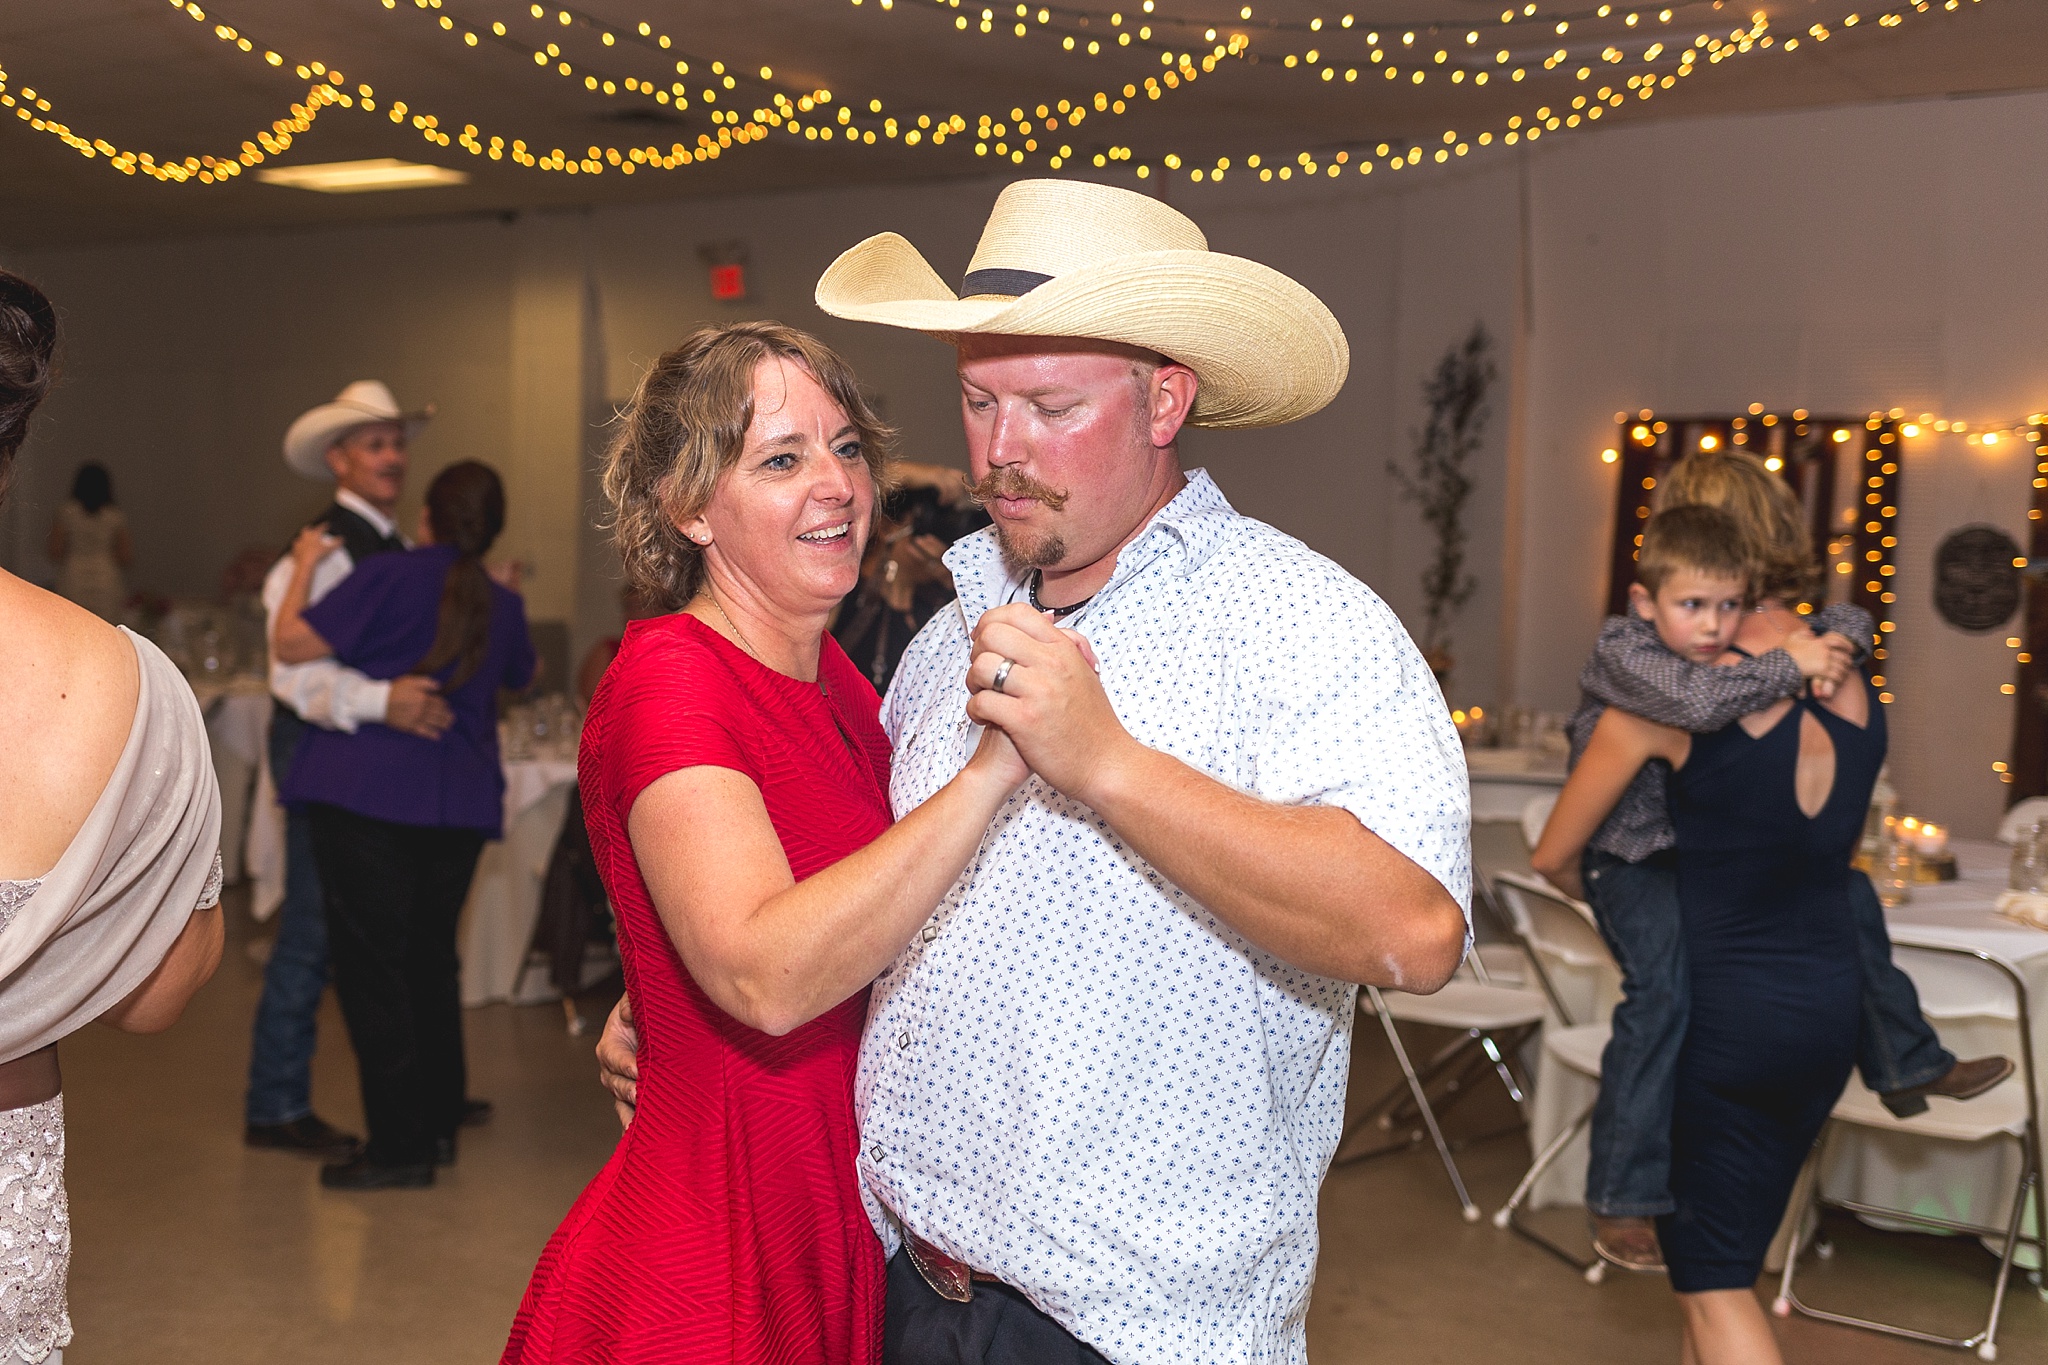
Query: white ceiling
[146,76]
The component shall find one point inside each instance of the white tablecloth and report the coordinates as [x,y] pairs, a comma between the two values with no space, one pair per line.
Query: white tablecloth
[1891,1169]
[504,900]
[1962,1182]
[237,713]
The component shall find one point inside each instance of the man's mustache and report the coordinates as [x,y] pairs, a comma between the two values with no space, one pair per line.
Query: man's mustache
[1015,483]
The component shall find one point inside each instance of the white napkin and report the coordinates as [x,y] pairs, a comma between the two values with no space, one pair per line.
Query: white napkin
[2028,907]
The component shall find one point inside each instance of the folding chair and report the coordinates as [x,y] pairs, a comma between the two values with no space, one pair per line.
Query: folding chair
[2010,1110]
[1495,1018]
[1552,925]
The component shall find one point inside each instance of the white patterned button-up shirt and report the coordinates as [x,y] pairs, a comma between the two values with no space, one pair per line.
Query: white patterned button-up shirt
[1076,1077]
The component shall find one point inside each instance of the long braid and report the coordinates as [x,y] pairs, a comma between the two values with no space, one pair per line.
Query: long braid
[466,508]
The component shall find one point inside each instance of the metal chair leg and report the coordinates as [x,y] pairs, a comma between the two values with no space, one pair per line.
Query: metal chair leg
[1593,1269]
[1471,1210]
[1984,1342]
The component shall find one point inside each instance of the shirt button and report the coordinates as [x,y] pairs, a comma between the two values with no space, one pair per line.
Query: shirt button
[930,932]
[902,1040]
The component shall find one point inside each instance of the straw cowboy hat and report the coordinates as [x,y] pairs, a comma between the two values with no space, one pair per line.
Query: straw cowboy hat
[361,403]
[1067,258]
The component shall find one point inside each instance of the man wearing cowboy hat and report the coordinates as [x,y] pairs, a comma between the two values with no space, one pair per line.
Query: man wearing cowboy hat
[358,441]
[1099,1090]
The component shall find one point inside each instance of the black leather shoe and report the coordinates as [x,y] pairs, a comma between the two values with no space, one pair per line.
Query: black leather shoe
[444,1150]
[362,1174]
[476,1113]
[310,1135]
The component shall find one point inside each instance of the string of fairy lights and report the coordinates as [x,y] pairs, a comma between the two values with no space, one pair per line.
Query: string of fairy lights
[862,122]
[1407,55]
[1869,543]
[34,109]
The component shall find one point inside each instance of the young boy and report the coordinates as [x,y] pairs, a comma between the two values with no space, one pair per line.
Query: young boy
[1693,586]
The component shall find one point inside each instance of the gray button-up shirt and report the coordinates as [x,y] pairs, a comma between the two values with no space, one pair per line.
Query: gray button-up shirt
[1632,669]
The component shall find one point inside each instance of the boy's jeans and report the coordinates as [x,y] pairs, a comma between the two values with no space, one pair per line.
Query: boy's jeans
[1636,907]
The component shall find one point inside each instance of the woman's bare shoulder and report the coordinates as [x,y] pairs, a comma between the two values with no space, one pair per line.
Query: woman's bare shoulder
[68,684]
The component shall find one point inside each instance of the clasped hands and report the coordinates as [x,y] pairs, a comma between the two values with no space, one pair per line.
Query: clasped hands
[1825,660]
[1051,705]
[1050,714]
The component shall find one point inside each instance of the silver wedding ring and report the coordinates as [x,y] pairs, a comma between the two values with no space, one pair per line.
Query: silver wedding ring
[1002,674]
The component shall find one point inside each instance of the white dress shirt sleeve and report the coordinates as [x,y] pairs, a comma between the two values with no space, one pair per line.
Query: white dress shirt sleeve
[1352,717]
[323,691]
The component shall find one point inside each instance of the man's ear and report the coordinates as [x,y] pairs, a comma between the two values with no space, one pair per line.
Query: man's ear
[1639,598]
[1173,392]
[337,460]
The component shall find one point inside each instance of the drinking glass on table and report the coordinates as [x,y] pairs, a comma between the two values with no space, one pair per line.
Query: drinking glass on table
[2030,859]
[1897,867]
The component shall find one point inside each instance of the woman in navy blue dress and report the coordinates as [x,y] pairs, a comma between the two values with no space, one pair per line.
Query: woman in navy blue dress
[1768,812]
[398,820]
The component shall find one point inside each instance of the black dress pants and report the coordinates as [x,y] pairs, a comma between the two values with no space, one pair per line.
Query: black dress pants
[393,893]
[999,1326]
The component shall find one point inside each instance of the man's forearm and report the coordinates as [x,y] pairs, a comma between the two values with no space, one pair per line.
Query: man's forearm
[330,695]
[1309,884]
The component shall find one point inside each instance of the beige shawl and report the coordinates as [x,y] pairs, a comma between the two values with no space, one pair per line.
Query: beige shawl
[117,900]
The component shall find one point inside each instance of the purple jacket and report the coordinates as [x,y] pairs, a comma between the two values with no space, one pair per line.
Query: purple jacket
[381,621]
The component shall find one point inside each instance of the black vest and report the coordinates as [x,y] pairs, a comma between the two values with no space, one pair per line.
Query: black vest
[358,537]
[361,540]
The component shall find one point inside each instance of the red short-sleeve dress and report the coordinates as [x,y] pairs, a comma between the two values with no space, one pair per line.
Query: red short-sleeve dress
[727,1226]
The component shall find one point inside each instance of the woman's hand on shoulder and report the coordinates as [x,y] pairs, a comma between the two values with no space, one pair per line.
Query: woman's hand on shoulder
[312,545]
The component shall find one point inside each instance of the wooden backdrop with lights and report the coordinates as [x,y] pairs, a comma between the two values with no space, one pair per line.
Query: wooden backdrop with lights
[1844,471]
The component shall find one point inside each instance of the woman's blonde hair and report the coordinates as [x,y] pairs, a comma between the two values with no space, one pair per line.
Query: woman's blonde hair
[687,424]
[1765,511]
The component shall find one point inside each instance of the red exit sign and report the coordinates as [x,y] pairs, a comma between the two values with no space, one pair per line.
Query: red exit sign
[728,283]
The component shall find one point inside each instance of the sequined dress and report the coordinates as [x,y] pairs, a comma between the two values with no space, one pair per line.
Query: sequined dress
[35,1217]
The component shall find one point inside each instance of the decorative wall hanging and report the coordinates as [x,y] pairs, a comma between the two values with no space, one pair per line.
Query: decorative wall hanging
[1977,578]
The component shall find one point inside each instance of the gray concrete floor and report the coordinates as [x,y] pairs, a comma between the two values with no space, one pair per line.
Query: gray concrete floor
[190,1248]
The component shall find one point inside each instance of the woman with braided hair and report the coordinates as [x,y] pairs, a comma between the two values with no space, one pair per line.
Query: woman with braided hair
[398,820]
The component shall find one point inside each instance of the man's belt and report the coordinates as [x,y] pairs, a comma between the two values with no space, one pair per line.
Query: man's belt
[30,1080]
[949,1279]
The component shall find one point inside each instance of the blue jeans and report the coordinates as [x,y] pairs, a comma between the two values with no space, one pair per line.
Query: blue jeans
[281,1048]
[1636,907]
[1899,1048]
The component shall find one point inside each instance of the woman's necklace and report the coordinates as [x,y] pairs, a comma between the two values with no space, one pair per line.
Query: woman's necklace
[1058,613]
[738,634]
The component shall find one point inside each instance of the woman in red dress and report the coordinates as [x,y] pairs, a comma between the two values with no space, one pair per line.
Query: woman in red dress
[735,779]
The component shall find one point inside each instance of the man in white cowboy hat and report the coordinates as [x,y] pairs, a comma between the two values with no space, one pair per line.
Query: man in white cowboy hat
[1100,1089]
[358,441]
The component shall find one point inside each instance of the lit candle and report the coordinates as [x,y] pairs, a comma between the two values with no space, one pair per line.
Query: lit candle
[1931,841]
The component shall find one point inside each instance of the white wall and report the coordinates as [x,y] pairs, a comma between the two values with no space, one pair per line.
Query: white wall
[185,361]
[1845,260]
[1840,261]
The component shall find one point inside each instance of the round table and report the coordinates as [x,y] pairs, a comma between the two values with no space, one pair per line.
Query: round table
[504,899]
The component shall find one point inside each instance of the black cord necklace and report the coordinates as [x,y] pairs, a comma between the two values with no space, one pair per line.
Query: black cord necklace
[1058,613]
